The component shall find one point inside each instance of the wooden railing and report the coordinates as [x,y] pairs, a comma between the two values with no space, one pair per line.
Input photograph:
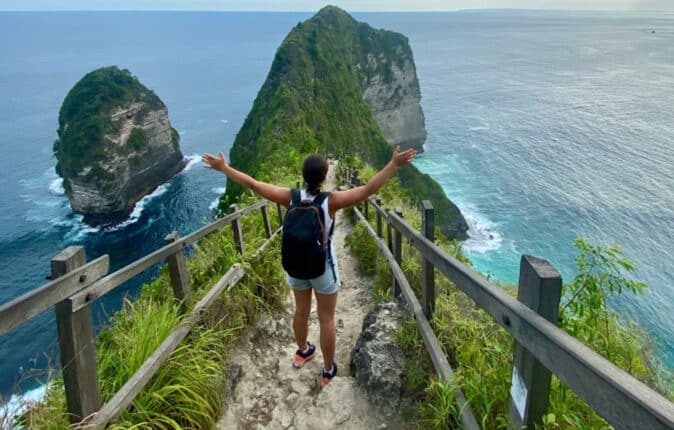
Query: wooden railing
[541,348]
[76,285]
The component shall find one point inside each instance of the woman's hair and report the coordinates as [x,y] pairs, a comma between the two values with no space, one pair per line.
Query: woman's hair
[314,171]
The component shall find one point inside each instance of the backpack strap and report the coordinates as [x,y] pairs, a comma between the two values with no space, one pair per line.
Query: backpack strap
[320,198]
[295,196]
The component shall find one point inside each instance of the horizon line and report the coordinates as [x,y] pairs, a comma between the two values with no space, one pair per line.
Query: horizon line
[349,11]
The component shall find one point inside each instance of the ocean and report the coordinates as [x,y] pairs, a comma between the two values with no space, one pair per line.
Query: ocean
[542,127]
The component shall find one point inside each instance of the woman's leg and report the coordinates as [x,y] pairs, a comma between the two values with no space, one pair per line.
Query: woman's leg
[326,319]
[301,318]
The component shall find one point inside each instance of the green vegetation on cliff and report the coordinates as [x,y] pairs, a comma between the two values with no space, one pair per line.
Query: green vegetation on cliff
[312,101]
[481,352]
[85,117]
[137,139]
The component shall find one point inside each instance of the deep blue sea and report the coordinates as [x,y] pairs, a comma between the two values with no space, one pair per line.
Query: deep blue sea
[541,126]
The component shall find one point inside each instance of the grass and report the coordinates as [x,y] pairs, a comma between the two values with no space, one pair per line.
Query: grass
[186,392]
[481,351]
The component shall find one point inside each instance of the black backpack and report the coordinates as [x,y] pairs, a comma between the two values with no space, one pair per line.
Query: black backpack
[303,251]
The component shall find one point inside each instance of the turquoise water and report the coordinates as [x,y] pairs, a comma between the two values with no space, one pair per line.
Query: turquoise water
[548,127]
[542,127]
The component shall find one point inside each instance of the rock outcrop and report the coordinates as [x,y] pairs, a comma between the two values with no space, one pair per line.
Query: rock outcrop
[115,145]
[394,97]
[338,86]
[377,361]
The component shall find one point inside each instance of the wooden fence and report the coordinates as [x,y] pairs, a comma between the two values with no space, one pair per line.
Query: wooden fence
[541,348]
[76,285]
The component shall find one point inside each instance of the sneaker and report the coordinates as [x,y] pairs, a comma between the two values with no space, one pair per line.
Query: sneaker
[327,376]
[301,357]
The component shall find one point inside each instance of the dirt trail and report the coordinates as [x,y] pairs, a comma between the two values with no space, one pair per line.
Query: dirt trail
[269,393]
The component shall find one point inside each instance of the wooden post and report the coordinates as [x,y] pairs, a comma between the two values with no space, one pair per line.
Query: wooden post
[540,288]
[378,216]
[366,204]
[279,214]
[389,232]
[236,229]
[397,252]
[265,221]
[76,344]
[356,183]
[427,270]
[180,278]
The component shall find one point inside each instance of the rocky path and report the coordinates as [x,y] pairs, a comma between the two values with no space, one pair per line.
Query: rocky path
[268,393]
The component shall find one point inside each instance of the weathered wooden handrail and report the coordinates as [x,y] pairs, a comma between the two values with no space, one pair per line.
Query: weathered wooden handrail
[621,399]
[25,307]
[433,347]
[617,396]
[124,397]
[77,287]
[266,243]
[115,279]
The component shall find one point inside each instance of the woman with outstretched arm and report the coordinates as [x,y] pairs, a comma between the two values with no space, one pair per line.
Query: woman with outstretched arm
[325,286]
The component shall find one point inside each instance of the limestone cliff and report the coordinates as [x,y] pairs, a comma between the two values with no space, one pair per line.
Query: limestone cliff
[391,89]
[115,145]
[338,86]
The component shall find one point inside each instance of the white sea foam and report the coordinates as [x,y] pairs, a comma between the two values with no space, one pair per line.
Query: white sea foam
[479,128]
[214,203]
[78,229]
[19,403]
[182,132]
[193,160]
[224,121]
[138,209]
[484,236]
[56,187]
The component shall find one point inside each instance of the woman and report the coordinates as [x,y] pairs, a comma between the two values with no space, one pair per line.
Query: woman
[325,287]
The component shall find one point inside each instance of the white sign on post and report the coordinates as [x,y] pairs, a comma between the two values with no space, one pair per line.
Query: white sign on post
[518,392]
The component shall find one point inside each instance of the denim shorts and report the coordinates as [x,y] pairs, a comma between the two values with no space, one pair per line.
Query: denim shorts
[327,283]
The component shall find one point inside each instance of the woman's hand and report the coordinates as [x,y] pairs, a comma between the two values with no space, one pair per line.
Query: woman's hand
[400,159]
[215,163]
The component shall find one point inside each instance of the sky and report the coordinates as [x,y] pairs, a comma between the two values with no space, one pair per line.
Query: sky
[350,5]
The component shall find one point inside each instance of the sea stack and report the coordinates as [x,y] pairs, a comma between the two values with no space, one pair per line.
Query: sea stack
[115,145]
[338,86]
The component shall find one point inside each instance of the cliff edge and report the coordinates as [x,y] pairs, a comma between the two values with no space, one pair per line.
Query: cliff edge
[342,88]
[115,145]
[391,87]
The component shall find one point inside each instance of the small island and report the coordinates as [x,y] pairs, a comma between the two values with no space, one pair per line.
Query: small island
[115,145]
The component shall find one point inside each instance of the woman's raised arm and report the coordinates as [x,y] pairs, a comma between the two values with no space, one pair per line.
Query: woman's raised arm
[343,199]
[270,192]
